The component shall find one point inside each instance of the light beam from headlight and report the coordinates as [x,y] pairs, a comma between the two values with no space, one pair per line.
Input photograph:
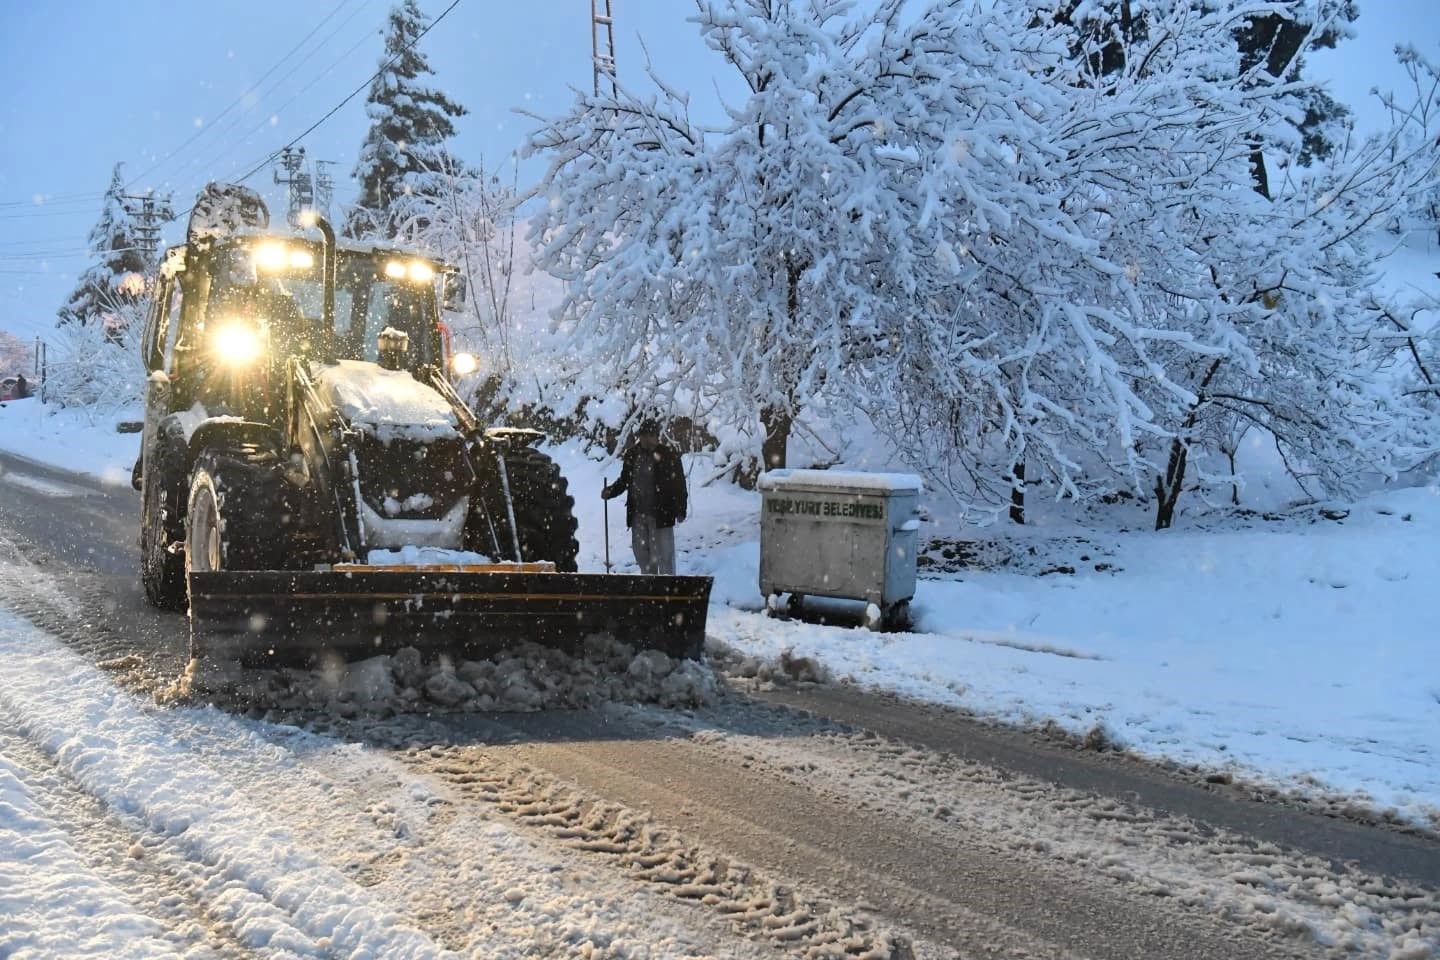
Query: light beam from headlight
[270,257]
[236,343]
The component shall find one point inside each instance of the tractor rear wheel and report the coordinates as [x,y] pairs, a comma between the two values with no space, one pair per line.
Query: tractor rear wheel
[162,568]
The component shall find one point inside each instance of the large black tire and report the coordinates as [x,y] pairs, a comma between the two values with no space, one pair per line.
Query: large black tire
[544,511]
[162,569]
[243,514]
[236,520]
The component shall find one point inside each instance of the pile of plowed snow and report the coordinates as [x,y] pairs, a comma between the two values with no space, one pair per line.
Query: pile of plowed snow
[528,677]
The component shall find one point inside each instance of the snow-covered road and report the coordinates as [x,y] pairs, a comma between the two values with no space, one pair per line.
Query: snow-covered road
[131,830]
[136,824]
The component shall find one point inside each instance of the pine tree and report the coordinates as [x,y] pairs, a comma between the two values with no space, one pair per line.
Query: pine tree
[116,279]
[1275,42]
[409,124]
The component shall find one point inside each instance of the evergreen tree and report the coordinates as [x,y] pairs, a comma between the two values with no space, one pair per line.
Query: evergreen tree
[409,124]
[1275,41]
[116,279]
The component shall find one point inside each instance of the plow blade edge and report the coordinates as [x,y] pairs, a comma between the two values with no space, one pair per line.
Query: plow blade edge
[296,616]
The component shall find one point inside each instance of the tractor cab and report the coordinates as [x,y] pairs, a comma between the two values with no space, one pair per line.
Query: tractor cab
[244,305]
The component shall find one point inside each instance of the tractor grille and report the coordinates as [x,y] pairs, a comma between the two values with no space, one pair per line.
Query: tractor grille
[409,480]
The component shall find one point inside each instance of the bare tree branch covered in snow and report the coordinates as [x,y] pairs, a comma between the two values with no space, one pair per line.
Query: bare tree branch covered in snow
[468,218]
[97,365]
[751,265]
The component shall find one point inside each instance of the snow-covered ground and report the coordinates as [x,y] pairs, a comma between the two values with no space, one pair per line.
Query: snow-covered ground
[1299,651]
[78,439]
[209,826]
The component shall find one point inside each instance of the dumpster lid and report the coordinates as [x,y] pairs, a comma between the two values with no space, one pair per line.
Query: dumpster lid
[853,481]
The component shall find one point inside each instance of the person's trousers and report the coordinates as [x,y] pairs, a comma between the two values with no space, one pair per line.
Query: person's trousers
[654,546]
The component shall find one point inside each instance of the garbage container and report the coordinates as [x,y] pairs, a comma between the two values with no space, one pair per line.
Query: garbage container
[850,535]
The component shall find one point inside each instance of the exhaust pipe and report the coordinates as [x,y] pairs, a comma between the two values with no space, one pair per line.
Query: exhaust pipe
[329,271]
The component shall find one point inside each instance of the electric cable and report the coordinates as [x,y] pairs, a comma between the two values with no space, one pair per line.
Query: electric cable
[336,109]
[206,128]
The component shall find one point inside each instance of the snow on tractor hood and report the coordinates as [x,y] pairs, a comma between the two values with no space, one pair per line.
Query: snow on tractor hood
[388,404]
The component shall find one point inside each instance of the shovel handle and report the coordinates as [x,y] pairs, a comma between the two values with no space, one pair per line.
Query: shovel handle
[606,501]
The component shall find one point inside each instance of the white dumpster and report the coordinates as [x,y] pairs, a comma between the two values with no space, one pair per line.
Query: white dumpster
[829,533]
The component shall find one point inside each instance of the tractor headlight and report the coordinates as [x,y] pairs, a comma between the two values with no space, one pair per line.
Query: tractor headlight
[464,364]
[236,343]
[278,257]
[417,271]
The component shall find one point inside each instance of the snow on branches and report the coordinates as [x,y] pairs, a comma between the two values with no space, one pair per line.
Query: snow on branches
[1020,260]
[409,126]
[117,277]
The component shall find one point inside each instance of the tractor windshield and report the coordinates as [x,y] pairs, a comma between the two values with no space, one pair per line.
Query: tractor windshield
[285,289]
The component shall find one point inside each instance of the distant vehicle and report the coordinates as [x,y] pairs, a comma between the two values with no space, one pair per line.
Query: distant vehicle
[9,389]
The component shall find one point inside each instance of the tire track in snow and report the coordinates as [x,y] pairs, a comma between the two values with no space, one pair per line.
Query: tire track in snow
[972,894]
[272,892]
[75,852]
[795,921]
[466,876]
[1164,858]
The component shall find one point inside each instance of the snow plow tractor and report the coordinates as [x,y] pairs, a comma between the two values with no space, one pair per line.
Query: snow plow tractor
[313,485]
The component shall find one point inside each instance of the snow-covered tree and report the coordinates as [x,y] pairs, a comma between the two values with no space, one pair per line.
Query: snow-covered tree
[468,218]
[15,355]
[753,265]
[123,262]
[1127,308]
[1026,266]
[98,366]
[410,123]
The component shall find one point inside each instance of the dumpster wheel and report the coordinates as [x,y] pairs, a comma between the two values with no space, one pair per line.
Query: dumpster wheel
[897,617]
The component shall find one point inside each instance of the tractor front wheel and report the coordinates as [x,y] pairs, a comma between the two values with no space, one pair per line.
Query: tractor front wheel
[543,508]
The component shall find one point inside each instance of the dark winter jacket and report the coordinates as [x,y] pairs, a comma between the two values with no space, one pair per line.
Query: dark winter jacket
[670,496]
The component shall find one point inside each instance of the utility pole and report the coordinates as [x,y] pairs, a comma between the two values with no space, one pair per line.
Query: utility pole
[324,187]
[148,214]
[300,186]
[602,45]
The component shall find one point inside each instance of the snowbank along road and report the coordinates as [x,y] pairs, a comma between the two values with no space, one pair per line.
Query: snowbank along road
[416,810]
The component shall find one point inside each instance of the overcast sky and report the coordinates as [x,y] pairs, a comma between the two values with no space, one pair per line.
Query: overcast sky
[92,82]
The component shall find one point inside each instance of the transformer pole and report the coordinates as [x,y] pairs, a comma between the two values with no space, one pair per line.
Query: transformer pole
[149,214]
[602,45]
[299,185]
[324,187]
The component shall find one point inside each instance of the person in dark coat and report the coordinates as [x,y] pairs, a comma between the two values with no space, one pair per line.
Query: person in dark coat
[653,475]
[22,387]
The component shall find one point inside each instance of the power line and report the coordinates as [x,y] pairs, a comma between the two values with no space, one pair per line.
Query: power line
[67,238]
[45,201]
[70,252]
[79,211]
[89,198]
[336,109]
[245,138]
[238,100]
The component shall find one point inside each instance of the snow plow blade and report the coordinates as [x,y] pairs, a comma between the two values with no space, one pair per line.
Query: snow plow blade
[297,617]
